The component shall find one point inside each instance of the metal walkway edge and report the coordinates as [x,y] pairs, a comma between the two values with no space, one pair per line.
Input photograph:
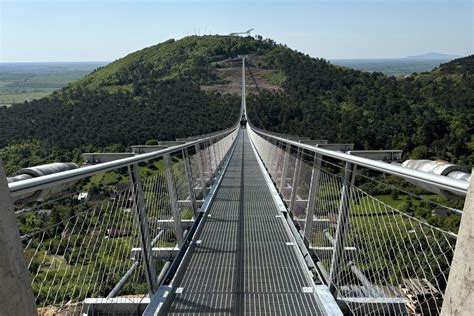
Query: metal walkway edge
[244,260]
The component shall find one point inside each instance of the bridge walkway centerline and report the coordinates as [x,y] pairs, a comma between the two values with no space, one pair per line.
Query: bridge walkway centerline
[243,261]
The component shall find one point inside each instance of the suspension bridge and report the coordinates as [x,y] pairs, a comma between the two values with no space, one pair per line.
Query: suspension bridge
[241,222]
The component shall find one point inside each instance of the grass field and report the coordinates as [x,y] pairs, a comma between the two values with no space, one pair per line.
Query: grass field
[20,82]
[367,205]
[12,98]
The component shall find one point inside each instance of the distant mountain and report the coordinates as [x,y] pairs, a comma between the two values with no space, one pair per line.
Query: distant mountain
[391,66]
[434,56]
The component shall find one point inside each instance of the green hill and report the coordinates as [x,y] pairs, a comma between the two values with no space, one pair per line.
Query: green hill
[463,66]
[190,86]
[154,93]
[428,115]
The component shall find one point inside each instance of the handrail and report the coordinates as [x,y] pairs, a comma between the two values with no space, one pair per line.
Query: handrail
[30,185]
[441,182]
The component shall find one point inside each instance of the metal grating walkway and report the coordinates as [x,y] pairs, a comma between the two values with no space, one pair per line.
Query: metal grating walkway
[244,259]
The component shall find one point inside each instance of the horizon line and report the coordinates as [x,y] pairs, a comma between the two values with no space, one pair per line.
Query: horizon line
[413,57]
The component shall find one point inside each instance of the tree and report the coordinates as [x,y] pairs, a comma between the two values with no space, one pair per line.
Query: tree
[394,194]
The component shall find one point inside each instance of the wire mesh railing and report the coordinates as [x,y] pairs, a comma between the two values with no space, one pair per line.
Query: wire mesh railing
[106,239]
[81,249]
[379,253]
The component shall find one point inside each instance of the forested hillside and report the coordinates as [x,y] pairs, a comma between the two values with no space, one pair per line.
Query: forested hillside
[153,93]
[428,115]
[158,93]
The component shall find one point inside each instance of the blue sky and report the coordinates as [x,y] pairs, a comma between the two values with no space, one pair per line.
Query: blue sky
[104,30]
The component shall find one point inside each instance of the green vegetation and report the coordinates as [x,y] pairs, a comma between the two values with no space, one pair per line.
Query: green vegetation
[275,77]
[151,94]
[20,97]
[155,93]
[76,243]
[187,214]
[428,115]
[56,259]
[423,208]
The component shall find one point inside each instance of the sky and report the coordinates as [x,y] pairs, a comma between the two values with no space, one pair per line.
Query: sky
[104,30]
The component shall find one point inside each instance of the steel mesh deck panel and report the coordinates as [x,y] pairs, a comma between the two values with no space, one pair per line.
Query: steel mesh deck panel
[244,260]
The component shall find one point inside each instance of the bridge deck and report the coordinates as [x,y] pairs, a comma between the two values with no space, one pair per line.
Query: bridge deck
[244,260]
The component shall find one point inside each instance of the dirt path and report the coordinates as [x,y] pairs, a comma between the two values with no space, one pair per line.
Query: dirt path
[231,71]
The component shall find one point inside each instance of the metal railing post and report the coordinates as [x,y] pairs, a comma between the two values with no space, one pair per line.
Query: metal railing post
[207,160]
[222,149]
[201,171]
[217,150]
[279,154]
[342,226]
[189,176]
[296,180]
[146,254]
[216,154]
[274,158]
[213,161]
[269,161]
[313,197]
[284,172]
[173,200]
[219,154]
